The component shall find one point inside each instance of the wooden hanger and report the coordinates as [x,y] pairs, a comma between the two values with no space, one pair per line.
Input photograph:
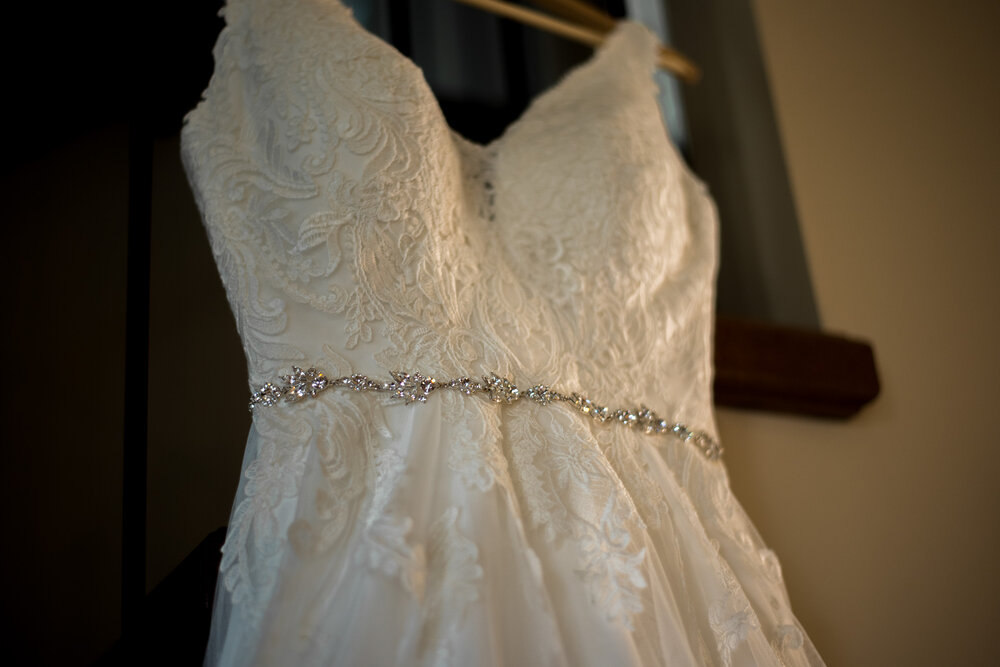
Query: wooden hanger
[596,24]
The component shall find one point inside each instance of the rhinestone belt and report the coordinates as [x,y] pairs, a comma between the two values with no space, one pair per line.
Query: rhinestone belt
[415,388]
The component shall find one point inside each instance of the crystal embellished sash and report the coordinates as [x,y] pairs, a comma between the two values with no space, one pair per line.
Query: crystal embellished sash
[415,388]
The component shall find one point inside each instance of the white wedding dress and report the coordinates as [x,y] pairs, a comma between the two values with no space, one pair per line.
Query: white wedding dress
[356,233]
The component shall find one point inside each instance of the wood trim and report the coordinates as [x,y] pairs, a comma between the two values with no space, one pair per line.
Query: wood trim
[783,369]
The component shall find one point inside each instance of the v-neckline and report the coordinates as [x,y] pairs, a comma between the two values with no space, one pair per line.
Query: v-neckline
[589,63]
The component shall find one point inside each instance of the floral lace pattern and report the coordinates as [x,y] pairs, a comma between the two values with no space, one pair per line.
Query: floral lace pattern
[356,232]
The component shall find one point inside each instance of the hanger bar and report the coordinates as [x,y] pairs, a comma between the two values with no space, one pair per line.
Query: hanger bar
[668,59]
[587,15]
[578,12]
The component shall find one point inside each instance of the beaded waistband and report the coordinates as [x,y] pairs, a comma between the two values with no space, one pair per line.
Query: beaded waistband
[415,388]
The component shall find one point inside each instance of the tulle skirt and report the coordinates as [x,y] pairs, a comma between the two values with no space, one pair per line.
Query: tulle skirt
[459,532]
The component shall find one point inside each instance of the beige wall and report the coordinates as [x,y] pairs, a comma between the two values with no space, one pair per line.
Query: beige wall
[887,524]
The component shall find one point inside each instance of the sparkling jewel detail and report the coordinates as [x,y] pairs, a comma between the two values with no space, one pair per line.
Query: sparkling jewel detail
[415,388]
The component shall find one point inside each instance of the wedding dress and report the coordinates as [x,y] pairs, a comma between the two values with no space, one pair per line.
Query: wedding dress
[414,507]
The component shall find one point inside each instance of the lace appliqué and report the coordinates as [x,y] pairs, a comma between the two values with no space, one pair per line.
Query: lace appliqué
[453,573]
[561,483]
[384,547]
[731,617]
[612,566]
[787,638]
[255,539]
[475,454]
[731,627]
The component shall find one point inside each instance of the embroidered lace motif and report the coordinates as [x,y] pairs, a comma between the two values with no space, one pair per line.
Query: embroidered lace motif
[415,388]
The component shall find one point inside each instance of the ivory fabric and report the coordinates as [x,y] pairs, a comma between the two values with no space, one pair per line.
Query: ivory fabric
[356,232]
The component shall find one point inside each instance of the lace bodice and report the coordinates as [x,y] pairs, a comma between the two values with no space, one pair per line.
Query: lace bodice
[356,232]
[343,211]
